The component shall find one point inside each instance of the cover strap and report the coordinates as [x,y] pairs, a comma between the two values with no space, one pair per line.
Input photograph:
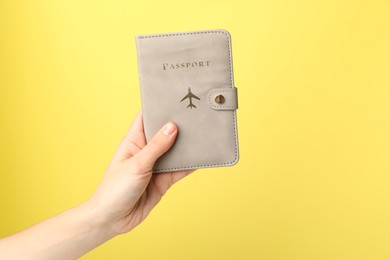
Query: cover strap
[223,98]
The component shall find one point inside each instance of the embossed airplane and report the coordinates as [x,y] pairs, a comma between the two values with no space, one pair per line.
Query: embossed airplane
[190,96]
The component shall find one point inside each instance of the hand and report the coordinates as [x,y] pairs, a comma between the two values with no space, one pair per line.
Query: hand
[128,192]
[129,189]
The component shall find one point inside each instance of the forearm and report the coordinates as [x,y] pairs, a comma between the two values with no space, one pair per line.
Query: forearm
[126,195]
[68,235]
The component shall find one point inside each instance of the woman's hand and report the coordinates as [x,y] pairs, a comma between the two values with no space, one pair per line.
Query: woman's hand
[129,189]
[128,192]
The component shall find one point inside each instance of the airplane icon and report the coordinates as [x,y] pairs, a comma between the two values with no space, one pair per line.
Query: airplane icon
[190,96]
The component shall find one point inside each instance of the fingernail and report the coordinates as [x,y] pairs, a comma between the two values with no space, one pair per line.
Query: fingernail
[168,128]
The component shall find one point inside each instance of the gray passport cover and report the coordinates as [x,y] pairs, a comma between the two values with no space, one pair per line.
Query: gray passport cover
[187,78]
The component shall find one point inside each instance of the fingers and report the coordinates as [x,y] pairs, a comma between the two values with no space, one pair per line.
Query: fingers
[161,182]
[133,141]
[158,145]
[136,131]
[177,176]
[137,125]
[164,180]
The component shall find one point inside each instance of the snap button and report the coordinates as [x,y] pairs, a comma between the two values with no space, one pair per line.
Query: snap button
[220,99]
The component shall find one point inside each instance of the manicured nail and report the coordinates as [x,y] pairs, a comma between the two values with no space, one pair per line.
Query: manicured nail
[168,128]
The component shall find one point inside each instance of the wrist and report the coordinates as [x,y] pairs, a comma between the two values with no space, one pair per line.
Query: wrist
[94,222]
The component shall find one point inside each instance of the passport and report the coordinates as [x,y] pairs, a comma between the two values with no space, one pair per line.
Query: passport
[187,78]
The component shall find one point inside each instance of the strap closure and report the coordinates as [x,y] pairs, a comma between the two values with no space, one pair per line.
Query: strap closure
[223,98]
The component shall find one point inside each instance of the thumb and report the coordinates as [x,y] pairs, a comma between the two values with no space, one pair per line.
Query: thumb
[158,145]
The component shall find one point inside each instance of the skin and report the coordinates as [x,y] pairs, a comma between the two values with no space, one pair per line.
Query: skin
[127,193]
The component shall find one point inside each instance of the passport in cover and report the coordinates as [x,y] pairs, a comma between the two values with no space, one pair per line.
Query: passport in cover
[187,78]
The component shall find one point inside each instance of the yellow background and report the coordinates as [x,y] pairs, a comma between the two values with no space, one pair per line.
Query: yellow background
[313,181]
